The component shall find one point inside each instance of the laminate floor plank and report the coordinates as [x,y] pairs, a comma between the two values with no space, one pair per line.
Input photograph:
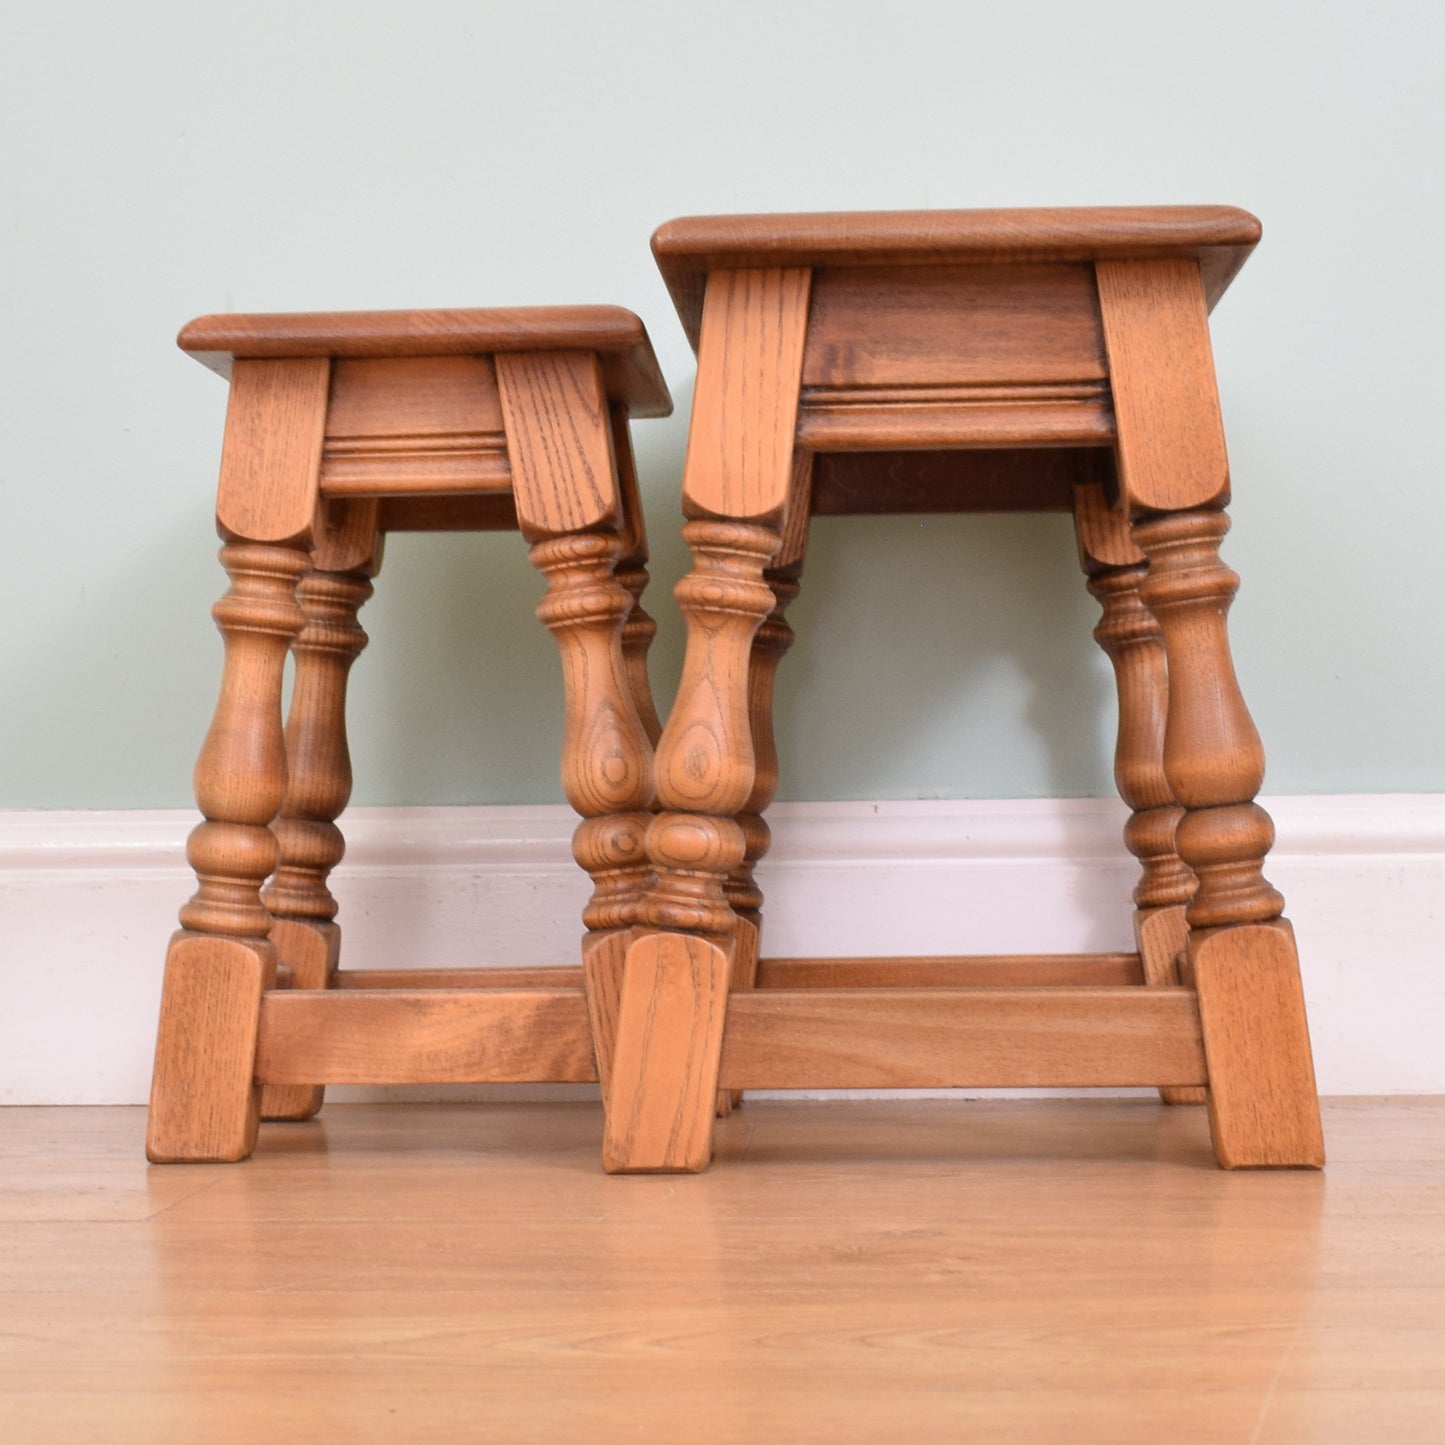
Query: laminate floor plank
[1053,1270]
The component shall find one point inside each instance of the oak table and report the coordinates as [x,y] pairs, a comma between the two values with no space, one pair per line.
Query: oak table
[341,428]
[1027,360]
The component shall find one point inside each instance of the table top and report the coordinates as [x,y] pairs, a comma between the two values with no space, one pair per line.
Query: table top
[1220,237]
[629,367]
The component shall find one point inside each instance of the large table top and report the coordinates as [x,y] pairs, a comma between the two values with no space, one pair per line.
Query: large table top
[1219,237]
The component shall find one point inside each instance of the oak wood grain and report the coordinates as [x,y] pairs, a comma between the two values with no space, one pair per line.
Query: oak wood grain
[368,1036]
[1263,1107]
[639,629]
[1102,531]
[705,759]
[1018,360]
[618,336]
[1163,937]
[604,962]
[307,953]
[607,772]
[1170,447]
[551,976]
[404,396]
[744,412]
[339,427]
[900,1038]
[204,1101]
[414,425]
[1217,238]
[956,416]
[349,537]
[953,325]
[240,775]
[981,970]
[665,1062]
[978,971]
[1133,640]
[1213,757]
[559,440]
[318,757]
[271,457]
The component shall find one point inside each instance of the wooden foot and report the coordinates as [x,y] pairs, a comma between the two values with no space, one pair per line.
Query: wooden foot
[1263,1109]
[204,1098]
[311,951]
[747,940]
[665,1066]
[604,959]
[1163,935]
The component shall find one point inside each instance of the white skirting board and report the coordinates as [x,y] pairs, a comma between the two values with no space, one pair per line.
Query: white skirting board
[88,900]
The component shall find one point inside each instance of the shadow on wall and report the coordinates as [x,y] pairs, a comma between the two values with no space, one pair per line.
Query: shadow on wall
[458,697]
[945,656]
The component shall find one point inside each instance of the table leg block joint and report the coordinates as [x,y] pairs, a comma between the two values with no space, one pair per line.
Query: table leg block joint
[310,953]
[604,959]
[663,1094]
[204,1100]
[1263,1108]
[1163,935]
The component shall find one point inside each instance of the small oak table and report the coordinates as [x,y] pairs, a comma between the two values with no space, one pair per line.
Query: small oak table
[1028,360]
[341,428]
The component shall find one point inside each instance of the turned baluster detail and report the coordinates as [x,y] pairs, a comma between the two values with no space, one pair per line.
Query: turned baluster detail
[606,752]
[706,760]
[1212,754]
[318,760]
[639,629]
[771,643]
[240,777]
[637,633]
[612,850]
[1130,635]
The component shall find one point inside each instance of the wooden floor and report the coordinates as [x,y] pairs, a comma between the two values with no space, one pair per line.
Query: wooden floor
[1068,1270]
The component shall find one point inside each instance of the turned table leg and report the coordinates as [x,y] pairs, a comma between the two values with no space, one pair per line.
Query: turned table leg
[740,473]
[674,995]
[204,1099]
[318,770]
[1173,477]
[612,847]
[771,643]
[606,759]
[1130,636]
[1263,1107]
[638,629]
[575,490]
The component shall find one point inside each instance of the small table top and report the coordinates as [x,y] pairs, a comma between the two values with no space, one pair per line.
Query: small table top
[1219,237]
[629,368]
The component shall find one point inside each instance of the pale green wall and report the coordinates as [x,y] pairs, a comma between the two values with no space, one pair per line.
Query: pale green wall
[162,160]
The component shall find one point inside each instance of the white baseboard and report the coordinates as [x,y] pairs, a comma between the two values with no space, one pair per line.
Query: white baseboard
[87,901]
